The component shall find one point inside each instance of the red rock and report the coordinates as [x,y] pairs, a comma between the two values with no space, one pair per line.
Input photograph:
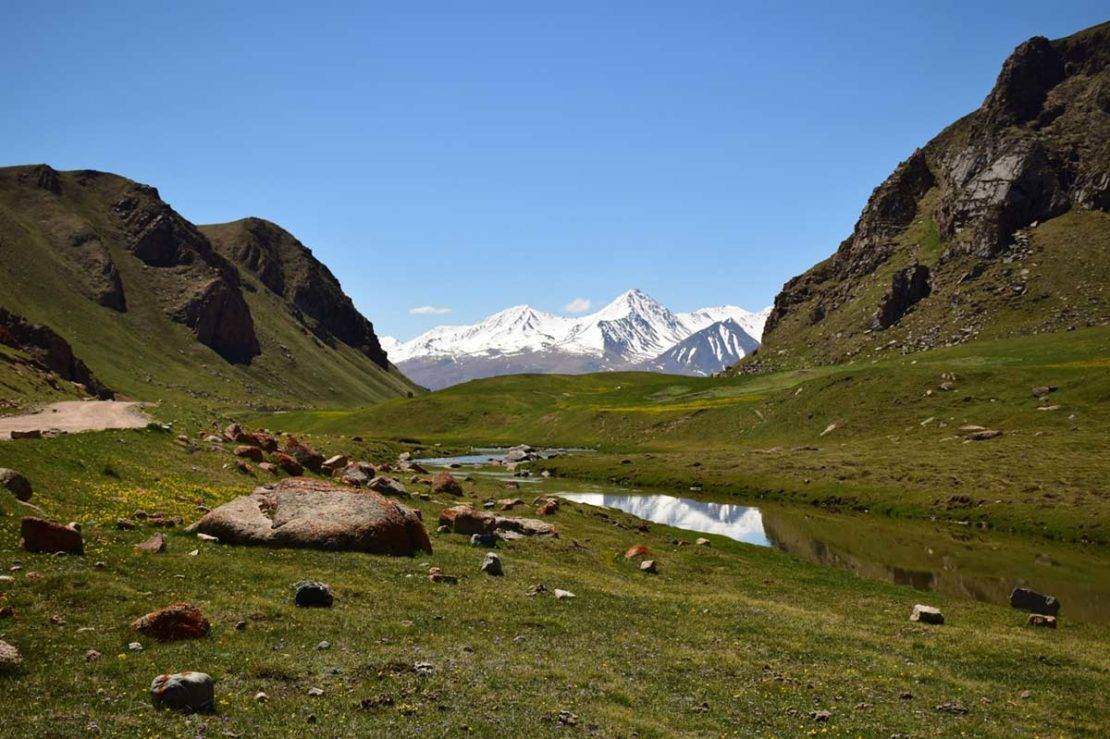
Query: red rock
[304,454]
[638,550]
[463,519]
[172,623]
[547,506]
[40,535]
[252,453]
[287,463]
[445,482]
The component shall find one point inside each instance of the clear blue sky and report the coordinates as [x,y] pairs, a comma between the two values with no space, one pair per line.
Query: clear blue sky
[476,155]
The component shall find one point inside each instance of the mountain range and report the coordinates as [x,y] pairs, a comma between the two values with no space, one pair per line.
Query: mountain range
[634,331]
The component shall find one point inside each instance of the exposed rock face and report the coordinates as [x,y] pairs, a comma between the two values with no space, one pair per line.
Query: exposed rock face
[319,515]
[907,287]
[287,267]
[1038,147]
[51,351]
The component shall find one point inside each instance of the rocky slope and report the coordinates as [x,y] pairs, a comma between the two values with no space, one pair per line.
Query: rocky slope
[148,303]
[998,226]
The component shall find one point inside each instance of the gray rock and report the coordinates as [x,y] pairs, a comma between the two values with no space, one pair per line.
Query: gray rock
[187,692]
[927,614]
[9,657]
[492,565]
[313,595]
[16,483]
[1031,600]
[649,566]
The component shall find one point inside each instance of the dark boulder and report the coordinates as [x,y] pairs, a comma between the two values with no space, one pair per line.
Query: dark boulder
[1031,600]
[50,537]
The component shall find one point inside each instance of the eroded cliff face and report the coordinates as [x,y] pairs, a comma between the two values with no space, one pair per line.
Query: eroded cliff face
[973,197]
[288,268]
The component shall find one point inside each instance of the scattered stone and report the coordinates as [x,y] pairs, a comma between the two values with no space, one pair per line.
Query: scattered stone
[188,692]
[1039,619]
[29,434]
[175,622]
[639,550]
[1031,600]
[492,565]
[40,535]
[154,545]
[445,483]
[356,474]
[288,464]
[1042,390]
[443,529]
[135,647]
[702,541]
[905,695]
[323,646]
[206,537]
[1025,694]
[333,463]
[125,524]
[983,435]
[926,614]
[305,455]
[483,540]
[424,668]
[268,467]
[829,429]
[507,504]
[387,486]
[953,707]
[649,566]
[537,589]
[319,515]
[252,453]
[820,716]
[313,595]
[6,611]
[261,697]
[435,574]
[563,594]
[92,655]
[566,718]
[16,484]
[10,657]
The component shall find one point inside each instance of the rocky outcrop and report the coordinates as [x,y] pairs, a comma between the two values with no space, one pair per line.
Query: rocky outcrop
[318,515]
[288,268]
[205,293]
[1038,147]
[50,351]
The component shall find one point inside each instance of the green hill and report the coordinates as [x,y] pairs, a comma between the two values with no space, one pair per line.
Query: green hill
[157,312]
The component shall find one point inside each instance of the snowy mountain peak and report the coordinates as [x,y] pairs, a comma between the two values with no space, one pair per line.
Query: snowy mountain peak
[632,330]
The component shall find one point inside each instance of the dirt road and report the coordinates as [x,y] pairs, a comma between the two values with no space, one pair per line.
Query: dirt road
[72,416]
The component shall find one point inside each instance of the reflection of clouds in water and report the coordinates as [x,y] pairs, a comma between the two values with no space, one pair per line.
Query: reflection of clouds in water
[742,523]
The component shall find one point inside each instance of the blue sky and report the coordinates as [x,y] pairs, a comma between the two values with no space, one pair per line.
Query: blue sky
[472,156]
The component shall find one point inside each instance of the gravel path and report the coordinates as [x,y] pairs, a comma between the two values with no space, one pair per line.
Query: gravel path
[72,416]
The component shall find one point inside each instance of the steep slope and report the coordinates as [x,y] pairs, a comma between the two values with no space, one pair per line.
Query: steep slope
[997,227]
[715,347]
[628,333]
[154,310]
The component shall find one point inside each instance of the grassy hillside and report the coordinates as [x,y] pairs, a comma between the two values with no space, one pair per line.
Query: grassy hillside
[141,352]
[728,638]
[882,435]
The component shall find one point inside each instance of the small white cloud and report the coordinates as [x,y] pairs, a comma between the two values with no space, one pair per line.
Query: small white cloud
[578,305]
[429,310]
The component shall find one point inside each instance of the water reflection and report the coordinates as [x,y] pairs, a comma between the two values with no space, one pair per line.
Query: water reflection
[742,523]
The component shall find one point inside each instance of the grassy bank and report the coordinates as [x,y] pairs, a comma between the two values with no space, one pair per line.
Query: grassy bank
[882,436]
[726,639]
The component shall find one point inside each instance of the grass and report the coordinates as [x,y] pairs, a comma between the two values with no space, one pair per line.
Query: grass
[893,448]
[728,639]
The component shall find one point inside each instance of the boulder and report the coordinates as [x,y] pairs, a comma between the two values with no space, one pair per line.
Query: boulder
[353,474]
[308,594]
[16,484]
[233,432]
[387,486]
[1031,600]
[483,540]
[445,483]
[1039,619]
[172,623]
[317,514]
[507,504]
[1042,390]
[50,537]
[463,519]
[154,545]
[246,451]
[288,464]
[187,692]
[492,565]
[926,615]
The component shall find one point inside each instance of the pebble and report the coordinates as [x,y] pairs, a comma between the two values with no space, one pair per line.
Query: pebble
[135,646]
[424,668]
[323,645]
[315,692]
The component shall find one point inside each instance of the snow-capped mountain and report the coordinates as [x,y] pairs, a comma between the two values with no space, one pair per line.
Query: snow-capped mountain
[628,332]
[718,345]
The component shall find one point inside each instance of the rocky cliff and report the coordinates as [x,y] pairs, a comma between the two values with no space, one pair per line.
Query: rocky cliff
[287,267]
[997,226]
